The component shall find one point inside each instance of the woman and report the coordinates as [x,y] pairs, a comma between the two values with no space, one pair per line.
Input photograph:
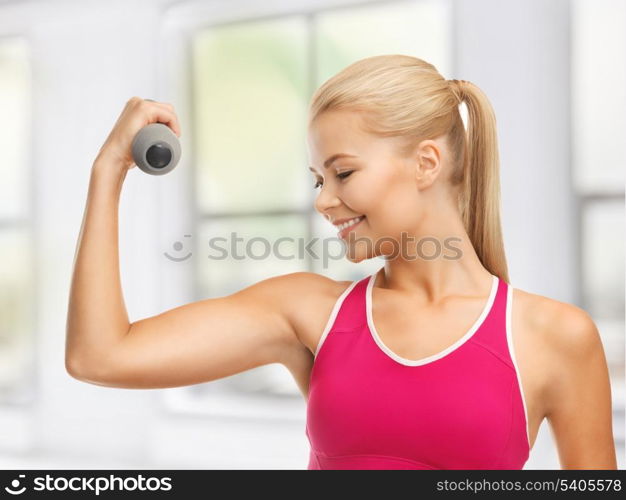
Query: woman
[434,361]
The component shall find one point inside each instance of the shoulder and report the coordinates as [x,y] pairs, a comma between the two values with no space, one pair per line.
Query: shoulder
[567,328]
[573,336]
[564,337]
[577,397]
[302,286]
[307,293]
[305,299]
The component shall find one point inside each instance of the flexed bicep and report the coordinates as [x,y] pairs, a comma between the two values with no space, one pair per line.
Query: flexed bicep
[201,341]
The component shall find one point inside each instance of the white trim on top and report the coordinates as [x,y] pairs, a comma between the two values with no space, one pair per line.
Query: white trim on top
[333,316]
[439,355]
[509,341]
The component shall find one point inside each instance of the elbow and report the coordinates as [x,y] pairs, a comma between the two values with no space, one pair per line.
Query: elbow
[81,369]
[74,367]
[73,363]
[86,370]
[79,362]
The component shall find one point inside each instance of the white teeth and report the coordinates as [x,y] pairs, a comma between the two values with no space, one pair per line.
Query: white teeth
[351,222]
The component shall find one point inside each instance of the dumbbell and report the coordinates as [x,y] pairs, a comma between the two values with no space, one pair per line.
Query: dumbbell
[156,149]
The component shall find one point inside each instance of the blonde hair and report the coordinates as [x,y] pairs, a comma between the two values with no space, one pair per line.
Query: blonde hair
[405,97]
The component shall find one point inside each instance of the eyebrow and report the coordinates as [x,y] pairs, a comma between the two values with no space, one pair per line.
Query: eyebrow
[329,161]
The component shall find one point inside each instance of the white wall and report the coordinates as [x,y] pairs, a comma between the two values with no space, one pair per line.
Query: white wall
[518,53]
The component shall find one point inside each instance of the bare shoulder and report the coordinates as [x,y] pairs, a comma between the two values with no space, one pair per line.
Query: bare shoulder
[304,279]
[304,288]
[297,300]
[557,337]
[576,396]
[308,301]
[567,328]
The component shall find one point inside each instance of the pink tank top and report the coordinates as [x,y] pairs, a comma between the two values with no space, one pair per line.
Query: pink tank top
[462,408]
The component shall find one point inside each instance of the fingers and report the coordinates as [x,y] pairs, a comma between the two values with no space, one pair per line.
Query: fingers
[161,112]
[166,115]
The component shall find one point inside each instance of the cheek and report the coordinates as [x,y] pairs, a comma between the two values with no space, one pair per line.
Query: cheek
[397,208]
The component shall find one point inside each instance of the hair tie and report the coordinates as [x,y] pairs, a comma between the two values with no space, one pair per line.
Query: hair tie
[457,89]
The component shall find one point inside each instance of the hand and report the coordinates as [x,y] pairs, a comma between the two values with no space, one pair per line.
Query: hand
[136,114]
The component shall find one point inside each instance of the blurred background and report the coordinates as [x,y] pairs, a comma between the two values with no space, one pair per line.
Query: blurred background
[240,74]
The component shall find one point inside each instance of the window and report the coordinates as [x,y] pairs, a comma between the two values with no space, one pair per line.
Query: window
[599,161]
[252,82]
[16,277]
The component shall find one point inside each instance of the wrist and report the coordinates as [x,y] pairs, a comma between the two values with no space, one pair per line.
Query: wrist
[104,167]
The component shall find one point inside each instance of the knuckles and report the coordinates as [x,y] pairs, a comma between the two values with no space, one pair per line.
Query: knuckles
[139,101]
[143,105]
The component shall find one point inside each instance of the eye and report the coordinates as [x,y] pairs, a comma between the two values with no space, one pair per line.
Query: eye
[340,176]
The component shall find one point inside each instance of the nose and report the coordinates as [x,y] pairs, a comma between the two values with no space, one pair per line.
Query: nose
[326,200]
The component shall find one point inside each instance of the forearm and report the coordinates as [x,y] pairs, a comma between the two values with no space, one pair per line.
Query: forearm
[97,317]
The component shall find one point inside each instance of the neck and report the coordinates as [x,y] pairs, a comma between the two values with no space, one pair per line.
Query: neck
[439,261]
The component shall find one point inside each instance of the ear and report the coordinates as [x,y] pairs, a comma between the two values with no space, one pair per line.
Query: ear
[428,162]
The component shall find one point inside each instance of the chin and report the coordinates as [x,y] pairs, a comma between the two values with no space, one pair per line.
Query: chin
[358,255]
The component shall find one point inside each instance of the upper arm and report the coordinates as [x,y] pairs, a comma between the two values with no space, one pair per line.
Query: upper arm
[205,340]
[579,407]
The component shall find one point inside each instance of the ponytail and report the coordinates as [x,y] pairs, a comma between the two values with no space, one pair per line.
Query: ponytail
[479,201]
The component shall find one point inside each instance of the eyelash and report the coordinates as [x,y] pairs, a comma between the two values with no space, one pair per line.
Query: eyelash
[340,176]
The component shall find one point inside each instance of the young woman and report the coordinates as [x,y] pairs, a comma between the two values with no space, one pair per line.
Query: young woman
[433,362]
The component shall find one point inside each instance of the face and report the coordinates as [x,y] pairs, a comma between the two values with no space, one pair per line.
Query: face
[374,183]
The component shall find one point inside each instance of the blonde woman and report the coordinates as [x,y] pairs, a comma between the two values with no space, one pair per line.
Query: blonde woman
[433,362]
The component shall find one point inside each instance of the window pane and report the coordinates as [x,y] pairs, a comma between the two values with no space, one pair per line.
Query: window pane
[15,106]
[599,94]
[413,28]
[250,98]
[16,315]
[603,258]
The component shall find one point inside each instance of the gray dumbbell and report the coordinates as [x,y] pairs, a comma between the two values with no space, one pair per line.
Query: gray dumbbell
[156,149]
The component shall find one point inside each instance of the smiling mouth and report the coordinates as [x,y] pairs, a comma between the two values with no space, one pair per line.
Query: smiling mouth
[344,232]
